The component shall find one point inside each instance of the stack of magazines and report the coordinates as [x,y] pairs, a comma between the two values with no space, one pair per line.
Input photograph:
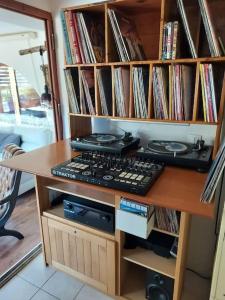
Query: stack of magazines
[170,40]
[167,219]
[83,37]
[214,175]
[208,93]
[73,99]
[122,91]
[160,83]
[128,44]
[209,28]
[181,92]
[87,91]
[105,90]
[140,91]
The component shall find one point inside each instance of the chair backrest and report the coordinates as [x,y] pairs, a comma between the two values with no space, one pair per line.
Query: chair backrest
[7,175]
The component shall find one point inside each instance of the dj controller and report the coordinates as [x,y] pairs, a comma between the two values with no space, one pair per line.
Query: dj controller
[130,174]
[105,163]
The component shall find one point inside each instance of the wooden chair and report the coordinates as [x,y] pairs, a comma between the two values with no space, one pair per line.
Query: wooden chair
[9,187]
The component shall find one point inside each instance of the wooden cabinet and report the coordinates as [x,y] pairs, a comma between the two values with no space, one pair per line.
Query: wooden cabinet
[218,286]
[87,256]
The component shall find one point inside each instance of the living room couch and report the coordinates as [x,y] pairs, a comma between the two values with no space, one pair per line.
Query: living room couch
[28,138]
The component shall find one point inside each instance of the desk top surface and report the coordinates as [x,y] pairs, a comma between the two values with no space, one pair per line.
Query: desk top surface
[176,188]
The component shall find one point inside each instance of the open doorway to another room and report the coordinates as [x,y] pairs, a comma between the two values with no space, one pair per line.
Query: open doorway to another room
[27,111]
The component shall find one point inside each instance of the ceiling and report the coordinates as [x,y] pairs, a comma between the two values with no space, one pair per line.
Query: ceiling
[12,22]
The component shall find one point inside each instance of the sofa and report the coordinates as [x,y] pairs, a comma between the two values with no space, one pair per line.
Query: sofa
[28,138]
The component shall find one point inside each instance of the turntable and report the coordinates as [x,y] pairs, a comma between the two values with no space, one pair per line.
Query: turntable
[196,156]
[110,143]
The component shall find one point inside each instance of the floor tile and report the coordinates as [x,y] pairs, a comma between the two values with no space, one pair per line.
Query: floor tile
[88,292]
[17,289]
[36,272]
[42,295]
[63,286]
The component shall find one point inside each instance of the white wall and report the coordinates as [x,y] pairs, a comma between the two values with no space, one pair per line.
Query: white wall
[202,239]
[42,4]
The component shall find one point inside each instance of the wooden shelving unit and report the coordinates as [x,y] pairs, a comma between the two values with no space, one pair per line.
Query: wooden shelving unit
[149,17]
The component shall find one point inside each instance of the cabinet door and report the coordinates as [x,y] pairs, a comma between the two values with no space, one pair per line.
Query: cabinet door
[88,257]
[220,291]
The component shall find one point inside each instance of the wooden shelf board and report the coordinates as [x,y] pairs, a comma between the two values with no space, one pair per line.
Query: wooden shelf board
[72,189]
[144,62]
[145,120]
[166,232]
[150,260]
[57,213]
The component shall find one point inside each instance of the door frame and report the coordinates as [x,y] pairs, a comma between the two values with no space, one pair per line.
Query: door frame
[45,16]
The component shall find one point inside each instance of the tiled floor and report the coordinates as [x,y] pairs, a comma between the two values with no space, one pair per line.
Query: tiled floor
[37,282]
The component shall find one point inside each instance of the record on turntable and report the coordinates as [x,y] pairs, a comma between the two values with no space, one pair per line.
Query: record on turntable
[104,142]
[197,156]
[169,147]
[101,139]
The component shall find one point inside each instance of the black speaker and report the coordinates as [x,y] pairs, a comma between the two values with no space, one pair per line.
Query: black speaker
[158,286]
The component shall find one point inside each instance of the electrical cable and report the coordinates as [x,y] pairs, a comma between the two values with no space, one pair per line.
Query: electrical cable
[199,274]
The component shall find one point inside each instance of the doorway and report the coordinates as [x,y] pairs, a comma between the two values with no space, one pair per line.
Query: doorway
[30,108]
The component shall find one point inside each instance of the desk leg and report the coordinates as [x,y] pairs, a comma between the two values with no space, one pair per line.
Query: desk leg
[181,255]
[42,204]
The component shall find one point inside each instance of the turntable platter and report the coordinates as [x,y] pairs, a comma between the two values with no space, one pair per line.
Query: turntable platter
[108,138]
[100,139]
[176,147]
[170,147]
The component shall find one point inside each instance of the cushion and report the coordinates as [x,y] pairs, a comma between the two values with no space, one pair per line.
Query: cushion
[9,138]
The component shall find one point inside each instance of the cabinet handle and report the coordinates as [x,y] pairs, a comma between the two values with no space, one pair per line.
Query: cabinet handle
[75,231]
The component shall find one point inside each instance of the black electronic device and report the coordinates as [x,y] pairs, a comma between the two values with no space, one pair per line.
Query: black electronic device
[158,286]
[196,156]
[160,243]
[130,174]
[90,213]
[110,143]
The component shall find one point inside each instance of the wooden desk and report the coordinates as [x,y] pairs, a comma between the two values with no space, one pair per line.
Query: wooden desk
[99,258]
[176,188]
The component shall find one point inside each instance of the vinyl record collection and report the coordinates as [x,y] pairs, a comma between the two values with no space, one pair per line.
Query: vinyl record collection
[140,91]
[173,91]
[181,92]
[122,91]
[72,96]
[167,219]
[209,28]
[83,37]
[128,43]
[215,42]
[208,93]
[103,76]
[170,40]
[160,85]
[186,25]
[214,175]
[87,91]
